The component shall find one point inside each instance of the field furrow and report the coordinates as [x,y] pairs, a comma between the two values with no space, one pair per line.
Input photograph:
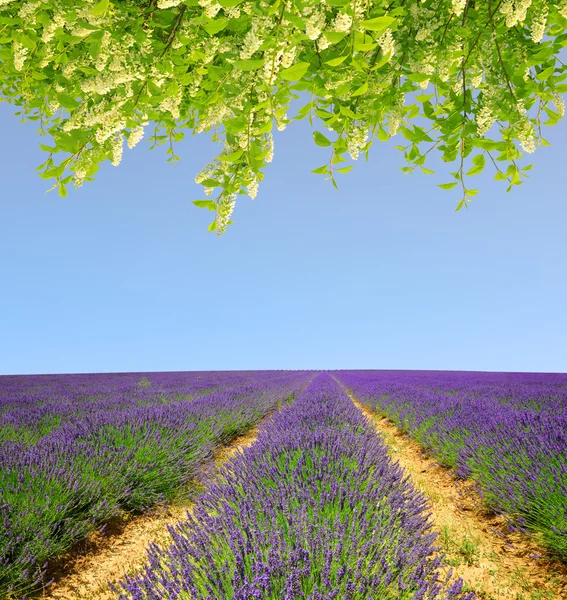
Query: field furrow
[72,462]
[494,562]
[500,450]
[85,574]
[314,509]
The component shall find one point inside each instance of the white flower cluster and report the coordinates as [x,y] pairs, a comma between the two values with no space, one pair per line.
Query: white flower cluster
[356,139]
[251,42]
[562,8]
[104,83]
[213,115]
[28,9]
[458,6]
[386,43]
[211,8]
[526,137]
[20,55]
[476,80]
[484,119]
[224,210]
[117,150]
[252,187]
[272,62]
[168,3]
[515,11]
[559,104]
[135,136]
[538,25]
[171,104]
[315,25]
[270,144]
[342,22]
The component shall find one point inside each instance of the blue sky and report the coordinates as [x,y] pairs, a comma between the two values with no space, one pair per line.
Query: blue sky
[122,275]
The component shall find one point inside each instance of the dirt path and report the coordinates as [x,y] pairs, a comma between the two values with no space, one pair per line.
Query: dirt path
[494,563]
[84,573]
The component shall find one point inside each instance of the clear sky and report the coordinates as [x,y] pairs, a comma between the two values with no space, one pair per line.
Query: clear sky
[121,275]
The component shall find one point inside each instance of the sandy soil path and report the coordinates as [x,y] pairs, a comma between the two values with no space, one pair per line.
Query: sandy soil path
[84,573]
[496,564]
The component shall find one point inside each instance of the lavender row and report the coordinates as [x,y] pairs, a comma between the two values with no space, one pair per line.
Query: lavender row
[313,510]
[113,454]
[506,431]
[33,405]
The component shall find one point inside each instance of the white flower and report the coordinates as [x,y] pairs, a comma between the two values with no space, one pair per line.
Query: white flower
[252,188]
[315,25]
[168,3]
[135,136]
[386,42]
[342,22]
[538,26]
[20,54]
[458,6]
[559,104]
[484,120]
[356,139]
[117,150]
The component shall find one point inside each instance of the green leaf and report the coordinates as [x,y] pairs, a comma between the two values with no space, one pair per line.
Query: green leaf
[235,125]
[447,186]
[62,189]
[427,171]
[212,226]
[320,170]
[229,3]
[365,47]
[479,161]
[472,192]
[546,73]
[210,183]
[344,169]
[418,77]
[249,65]
[100,8]
[361,90]
[460,205]
[215,25]
[295,72]
[378,23]
[210,204]
[345,110]
[335,36]
[424,97]
[383,134]
[231,157]
[67,101]
[335,62]
[320,139]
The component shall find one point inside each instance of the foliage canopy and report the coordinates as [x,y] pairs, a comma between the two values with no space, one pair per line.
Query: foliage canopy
[96,73]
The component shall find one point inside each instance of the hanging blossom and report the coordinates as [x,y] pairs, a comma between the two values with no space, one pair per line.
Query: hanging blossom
[386,43]
[458,7]
[315,25]
[538,25]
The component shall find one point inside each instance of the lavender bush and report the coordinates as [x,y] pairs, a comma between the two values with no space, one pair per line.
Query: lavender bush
[313,510]
[78,450]
[507,431]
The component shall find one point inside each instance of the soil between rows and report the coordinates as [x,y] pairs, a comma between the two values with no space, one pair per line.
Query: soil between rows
[84,573]
[492,561]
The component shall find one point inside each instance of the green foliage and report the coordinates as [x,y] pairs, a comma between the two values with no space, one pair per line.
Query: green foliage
[96,73]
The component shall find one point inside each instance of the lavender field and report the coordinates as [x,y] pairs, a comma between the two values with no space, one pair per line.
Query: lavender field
[314,509]
[506,431]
